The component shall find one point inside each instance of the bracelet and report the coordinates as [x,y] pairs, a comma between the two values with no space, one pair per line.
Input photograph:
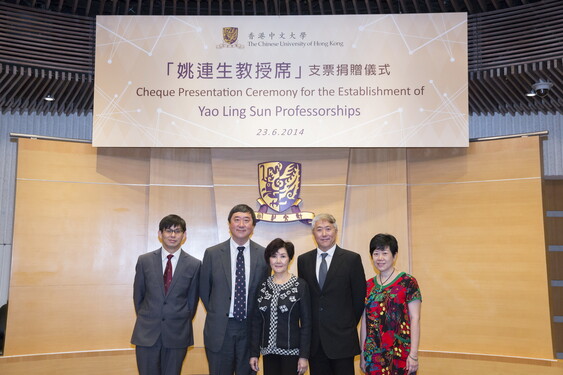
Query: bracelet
[414,359]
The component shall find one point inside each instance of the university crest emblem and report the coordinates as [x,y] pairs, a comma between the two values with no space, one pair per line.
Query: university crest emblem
[279,185]
[230,34]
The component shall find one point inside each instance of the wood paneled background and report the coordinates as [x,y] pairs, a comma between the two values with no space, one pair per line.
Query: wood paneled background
[469,224]
[553,205]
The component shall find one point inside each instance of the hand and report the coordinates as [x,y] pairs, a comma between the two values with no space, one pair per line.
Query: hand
[362,363]
[302,366]
[254,364]
[412,364]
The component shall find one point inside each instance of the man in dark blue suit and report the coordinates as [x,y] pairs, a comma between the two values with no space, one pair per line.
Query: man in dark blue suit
[227,329]
[337,287]
[165,293]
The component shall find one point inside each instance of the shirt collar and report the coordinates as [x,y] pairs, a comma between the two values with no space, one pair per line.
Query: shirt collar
[164,253]
[234,245]
[330,251]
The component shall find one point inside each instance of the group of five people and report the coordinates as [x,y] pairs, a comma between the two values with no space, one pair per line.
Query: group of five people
[255,306]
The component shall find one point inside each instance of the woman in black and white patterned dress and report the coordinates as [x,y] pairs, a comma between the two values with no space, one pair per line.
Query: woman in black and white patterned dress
[281,321]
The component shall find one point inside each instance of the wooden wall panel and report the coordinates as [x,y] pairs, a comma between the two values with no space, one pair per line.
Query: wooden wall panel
[553,205]
[482,161]
[379,166]
[323,189]
[376,202]
[468,221]
[440,363]
[555,265]
[377,209]
[64,318]
[558,337]
[181,166]
[76,240]
[553,193]
[122,362]
[474,261]
[554,230]
[79,225]
[556,295]
[478,249]
[553,201]
[108,362]
[326,166]
[78,162]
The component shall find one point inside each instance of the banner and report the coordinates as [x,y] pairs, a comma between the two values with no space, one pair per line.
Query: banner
[290,81]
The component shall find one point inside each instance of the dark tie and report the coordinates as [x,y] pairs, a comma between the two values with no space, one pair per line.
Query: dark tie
[239,309]
[322,270]
[168,274]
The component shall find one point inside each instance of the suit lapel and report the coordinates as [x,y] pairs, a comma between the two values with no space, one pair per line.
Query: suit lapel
[311,269]
[226,261]
[254,258]
[334,265]
[157,267]
[180,266]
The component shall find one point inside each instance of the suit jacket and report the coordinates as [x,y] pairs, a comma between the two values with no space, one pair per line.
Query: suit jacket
[338,307]
[215,289]
[168,315]
[292,323]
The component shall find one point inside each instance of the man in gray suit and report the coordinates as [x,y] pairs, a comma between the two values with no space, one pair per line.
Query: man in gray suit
[230,274]
[165,293]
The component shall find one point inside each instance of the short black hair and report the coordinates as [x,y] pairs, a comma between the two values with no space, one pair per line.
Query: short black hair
[172,221]
[381,241]
[242,208]
[275,245]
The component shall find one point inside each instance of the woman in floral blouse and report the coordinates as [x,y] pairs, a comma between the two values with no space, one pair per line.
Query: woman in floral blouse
[281,321]
[390,329]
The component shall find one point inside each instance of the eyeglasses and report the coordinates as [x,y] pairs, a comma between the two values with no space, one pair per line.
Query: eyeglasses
[175,231]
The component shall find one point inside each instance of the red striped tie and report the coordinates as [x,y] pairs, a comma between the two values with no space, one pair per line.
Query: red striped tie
[168,274]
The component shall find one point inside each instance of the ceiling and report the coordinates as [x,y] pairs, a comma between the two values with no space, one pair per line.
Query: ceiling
[91,8]
[47,47]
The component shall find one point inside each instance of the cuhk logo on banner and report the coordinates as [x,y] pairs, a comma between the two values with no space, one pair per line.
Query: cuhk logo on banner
[279,184]
[230,37]
[230,34]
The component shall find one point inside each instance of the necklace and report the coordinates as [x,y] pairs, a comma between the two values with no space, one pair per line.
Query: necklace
[383,282]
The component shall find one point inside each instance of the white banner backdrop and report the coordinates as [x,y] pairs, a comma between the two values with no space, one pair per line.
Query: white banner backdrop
[290,81]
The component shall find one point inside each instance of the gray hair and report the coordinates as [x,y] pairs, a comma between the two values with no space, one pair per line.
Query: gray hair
[324,217]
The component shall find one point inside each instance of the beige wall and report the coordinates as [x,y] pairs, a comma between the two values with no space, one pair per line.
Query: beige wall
[478,248]
[468,221]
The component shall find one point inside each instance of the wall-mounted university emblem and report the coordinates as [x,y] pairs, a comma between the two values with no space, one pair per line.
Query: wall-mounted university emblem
[279,184]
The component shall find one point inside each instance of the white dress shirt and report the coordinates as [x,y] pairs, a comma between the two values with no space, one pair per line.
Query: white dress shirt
[174,260]
[329,257]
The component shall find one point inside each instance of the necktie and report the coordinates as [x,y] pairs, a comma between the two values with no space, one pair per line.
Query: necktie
[168,274]
[239,309]
[322,270]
